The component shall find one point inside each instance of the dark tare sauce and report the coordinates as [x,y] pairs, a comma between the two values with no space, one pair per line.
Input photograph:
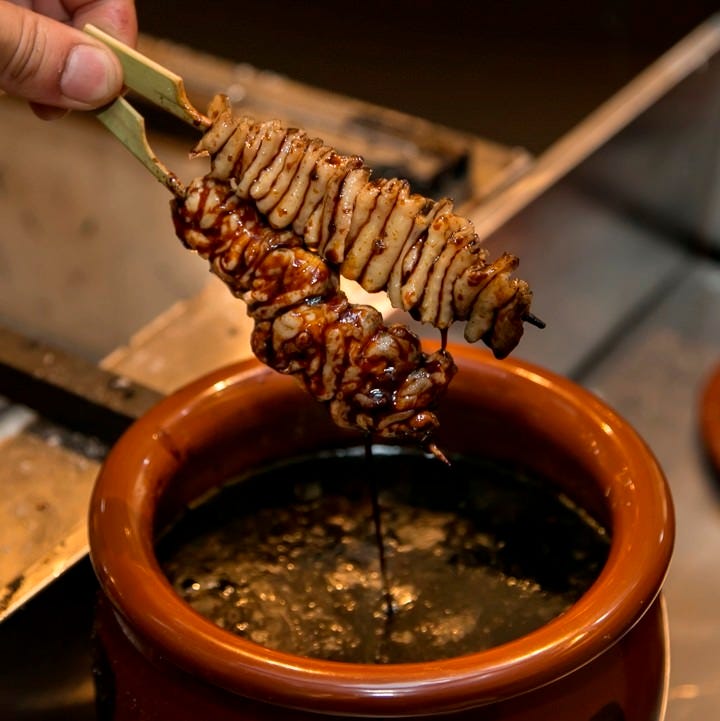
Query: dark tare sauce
[475,554]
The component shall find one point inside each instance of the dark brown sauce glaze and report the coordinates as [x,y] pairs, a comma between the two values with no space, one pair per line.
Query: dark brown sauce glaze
[474,556]
[373,377]
[375,231]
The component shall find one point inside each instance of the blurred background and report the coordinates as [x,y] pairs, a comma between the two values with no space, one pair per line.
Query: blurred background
[514,71]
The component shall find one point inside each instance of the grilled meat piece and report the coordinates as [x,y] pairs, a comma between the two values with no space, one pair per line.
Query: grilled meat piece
[375,231]
[373,377]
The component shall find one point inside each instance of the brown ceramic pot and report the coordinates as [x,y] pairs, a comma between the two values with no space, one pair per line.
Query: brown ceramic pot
[710,418]
[605,659]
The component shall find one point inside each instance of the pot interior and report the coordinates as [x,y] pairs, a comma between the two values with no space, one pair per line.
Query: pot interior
[366,556]
[506,468]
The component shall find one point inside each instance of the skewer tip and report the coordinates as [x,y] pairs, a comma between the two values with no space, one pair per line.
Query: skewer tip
[435,450]
[534,320]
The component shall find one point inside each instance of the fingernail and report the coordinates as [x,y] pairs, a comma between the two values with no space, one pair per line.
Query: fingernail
[89,76]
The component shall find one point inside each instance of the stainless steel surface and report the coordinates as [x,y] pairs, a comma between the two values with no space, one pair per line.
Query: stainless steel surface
[57,419]
[654,376]
[68,388]
[206,331]
[44,530]
[591,269]
[665,168]
[632,304]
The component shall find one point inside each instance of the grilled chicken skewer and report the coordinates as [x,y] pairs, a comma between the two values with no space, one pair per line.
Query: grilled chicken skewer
[281,215]
[373,377]
[377,232]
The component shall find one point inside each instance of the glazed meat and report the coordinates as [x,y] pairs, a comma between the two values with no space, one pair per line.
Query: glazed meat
[280,216]
[373,377]
[377,232]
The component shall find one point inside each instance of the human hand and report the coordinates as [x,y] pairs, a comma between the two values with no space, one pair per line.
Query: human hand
[47,59]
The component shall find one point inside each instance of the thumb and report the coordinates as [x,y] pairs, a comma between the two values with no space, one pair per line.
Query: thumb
[49,63]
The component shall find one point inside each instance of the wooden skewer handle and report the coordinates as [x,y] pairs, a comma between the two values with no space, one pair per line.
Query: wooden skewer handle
[128,126]
[154,82]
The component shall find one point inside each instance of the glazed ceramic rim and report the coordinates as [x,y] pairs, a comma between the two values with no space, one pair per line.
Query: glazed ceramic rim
[122,554]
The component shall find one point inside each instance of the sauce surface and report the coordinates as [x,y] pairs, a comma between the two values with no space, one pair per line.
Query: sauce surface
[475,554]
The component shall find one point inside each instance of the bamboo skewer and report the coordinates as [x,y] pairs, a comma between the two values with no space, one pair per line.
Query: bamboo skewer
[161,87]
[154,82]
[128,126]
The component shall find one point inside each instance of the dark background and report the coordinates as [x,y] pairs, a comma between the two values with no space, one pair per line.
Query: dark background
[518,72]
